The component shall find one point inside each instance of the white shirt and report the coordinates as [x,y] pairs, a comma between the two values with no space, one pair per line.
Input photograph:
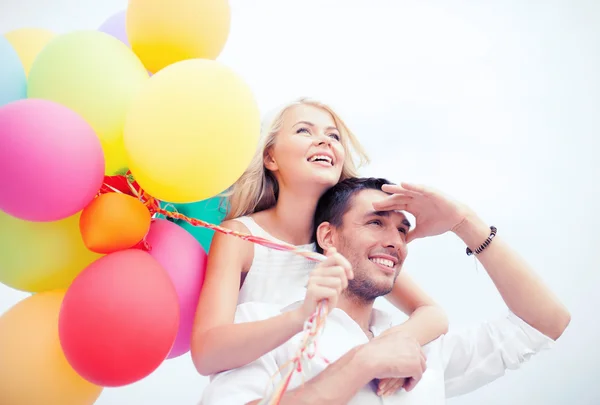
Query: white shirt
[275,276]
[457,363]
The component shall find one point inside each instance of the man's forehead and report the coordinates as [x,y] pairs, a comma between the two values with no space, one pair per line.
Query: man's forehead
[362,205]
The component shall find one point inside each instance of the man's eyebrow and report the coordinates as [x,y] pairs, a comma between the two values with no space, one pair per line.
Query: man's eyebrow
[386,214]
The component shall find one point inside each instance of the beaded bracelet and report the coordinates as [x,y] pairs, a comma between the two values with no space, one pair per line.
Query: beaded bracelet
[485,243]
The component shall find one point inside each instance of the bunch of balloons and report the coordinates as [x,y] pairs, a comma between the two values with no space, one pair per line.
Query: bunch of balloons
[139,104]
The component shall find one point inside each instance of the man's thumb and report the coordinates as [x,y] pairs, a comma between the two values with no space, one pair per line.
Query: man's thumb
[412,235]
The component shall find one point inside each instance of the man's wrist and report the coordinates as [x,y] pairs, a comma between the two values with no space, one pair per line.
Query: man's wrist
[472,230]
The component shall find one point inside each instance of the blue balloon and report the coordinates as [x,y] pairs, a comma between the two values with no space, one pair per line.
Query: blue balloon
[13,81]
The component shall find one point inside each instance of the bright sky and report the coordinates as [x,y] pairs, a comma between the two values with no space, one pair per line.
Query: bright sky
[496,104]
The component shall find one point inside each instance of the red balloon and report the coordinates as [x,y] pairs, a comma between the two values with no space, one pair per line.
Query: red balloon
[119,319]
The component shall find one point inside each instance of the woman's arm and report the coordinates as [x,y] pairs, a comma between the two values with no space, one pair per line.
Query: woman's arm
[217,343]
[428,320]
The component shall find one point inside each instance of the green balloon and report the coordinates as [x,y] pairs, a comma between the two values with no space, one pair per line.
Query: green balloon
[211,210]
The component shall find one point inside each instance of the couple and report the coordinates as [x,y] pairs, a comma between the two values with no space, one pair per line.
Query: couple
[360,227]
[305,152]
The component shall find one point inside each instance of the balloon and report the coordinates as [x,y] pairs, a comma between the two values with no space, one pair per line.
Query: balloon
[119,319]
[185,261]
[28,42]
[34,369]
[163,32]
[212,211]
[13,81]
[113,222]
[51,161]
[97,76]
[192,131]
[41,256]
[115,26]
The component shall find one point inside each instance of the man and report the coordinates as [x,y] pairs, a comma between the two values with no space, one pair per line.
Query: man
[361,219]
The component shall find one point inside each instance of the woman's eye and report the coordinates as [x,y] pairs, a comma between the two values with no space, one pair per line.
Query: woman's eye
[402,230]
[303,130]
[335,136]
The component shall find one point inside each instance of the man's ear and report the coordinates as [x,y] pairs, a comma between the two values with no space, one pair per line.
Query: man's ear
[269,161]
[325,236]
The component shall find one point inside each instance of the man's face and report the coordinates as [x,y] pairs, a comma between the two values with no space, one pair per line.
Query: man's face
[374,242]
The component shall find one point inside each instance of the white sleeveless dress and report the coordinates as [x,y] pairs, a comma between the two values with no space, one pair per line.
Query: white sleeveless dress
[275,277]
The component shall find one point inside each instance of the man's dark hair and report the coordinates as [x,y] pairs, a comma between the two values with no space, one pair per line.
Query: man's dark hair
[337,201]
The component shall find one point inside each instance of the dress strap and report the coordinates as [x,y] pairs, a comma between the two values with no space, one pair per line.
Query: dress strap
[252,226]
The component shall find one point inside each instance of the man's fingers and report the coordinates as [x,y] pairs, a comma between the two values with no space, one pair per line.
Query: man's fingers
[416,188]
[410,190]
[410,384]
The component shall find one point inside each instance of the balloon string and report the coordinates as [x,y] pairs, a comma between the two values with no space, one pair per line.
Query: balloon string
[314,324]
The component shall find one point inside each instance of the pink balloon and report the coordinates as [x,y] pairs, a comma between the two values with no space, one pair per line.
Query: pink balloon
[51,161]
[184,259]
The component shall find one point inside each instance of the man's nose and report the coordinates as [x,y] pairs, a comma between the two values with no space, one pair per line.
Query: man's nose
[393,240]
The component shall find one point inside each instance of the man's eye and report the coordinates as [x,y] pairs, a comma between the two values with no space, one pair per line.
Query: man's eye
[375,222]
[402,230]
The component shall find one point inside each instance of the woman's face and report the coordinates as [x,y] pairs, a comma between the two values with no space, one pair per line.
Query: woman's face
[307,149]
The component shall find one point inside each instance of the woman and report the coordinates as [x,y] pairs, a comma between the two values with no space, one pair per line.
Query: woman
[305,150]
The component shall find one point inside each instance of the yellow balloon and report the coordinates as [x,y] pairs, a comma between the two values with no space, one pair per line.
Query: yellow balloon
[34,369]
[41,256]
[95,75]
[28,42]
[192,131]
[162,32]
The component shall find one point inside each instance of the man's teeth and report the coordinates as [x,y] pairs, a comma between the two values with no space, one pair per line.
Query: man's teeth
[320,157]
[383,262]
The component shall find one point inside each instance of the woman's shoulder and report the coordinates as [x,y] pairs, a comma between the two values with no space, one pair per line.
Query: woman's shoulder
[239,224]
[224,245]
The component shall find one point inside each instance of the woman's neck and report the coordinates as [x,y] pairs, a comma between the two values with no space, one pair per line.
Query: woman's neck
[291,219]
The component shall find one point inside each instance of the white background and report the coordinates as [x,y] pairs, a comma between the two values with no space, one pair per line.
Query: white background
[495,103]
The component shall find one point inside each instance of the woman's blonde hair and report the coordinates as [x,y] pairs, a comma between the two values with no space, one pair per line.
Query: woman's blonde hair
[257,189]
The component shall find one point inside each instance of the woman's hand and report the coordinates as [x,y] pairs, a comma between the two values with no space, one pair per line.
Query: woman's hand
[326,282]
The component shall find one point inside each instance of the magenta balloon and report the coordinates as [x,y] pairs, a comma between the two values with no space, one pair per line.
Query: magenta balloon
[115,26]
[51,161]
[184,259]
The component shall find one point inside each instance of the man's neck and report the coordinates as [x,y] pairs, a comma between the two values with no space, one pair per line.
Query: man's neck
[358,309]
[291,220]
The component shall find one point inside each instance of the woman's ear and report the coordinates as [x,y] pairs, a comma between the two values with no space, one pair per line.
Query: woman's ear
[325,236]
[269,161]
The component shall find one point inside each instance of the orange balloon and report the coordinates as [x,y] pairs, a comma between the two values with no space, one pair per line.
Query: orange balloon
[113,222]
[33,366]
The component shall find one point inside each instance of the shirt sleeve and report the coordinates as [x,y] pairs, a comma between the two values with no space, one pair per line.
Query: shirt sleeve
[476,356]
[252,381]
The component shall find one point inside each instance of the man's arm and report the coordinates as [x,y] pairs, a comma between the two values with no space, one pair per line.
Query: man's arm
[337,384]
[477,356]
[522,290]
